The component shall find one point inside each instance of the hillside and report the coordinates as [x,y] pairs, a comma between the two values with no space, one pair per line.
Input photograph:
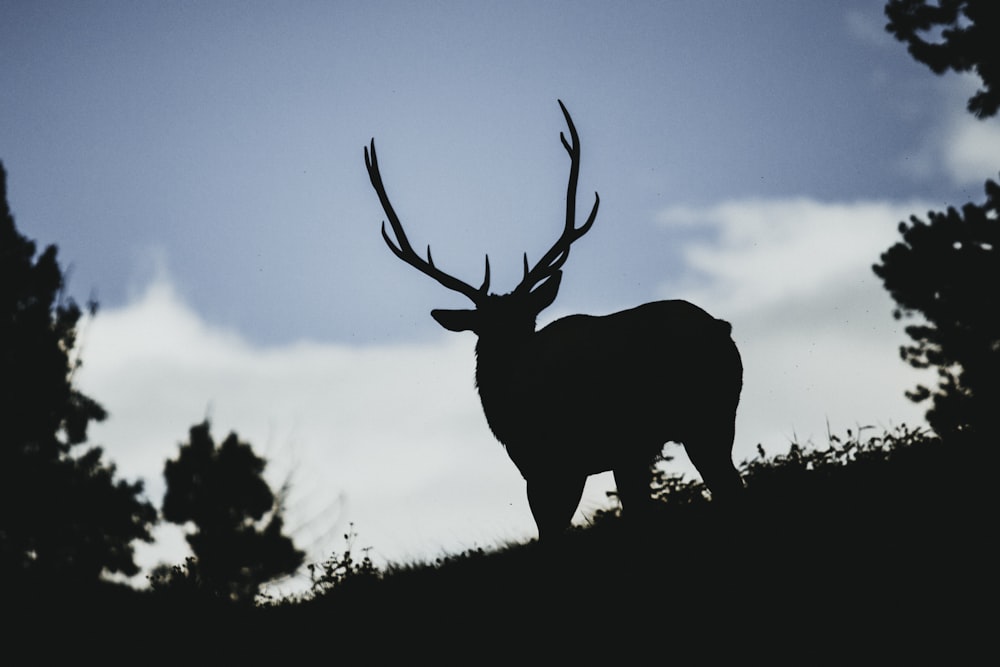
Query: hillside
[882,546]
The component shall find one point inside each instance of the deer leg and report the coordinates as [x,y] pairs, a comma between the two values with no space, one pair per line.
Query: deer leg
[553,501]
[711,454]
[632,481]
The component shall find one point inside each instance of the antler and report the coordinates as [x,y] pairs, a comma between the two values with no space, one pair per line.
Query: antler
[402,248]
[557,255]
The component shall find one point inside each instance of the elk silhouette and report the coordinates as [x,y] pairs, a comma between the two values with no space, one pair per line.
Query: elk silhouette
[587,394]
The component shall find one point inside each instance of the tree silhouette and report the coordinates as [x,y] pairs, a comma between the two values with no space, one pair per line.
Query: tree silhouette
[61,515]
[969,32]
[223,492]
[948,270]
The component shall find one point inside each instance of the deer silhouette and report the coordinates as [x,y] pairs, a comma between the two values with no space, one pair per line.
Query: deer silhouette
[588,394]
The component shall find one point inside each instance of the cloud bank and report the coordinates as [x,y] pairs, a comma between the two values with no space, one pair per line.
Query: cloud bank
[813,322]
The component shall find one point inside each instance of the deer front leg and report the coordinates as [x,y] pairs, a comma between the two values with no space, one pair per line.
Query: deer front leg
[633,481]
[553,499]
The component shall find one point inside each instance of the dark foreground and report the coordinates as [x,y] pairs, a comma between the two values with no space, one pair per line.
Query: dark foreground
[888,558]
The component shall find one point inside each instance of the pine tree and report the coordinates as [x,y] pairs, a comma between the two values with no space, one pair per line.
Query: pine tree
[62,516]
[238,542]
[969,32]
[948,270]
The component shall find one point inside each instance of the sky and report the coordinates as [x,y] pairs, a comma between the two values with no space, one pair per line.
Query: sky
[200,167]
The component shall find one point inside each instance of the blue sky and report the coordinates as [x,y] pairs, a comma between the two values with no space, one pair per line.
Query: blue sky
[200,167]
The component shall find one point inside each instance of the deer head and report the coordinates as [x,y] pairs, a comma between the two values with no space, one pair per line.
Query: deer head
[499,315]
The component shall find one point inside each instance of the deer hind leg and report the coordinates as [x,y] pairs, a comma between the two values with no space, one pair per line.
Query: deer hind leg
[553,501]
[711,453]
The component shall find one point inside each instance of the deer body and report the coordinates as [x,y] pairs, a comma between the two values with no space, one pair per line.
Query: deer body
[587,394]
[590,394]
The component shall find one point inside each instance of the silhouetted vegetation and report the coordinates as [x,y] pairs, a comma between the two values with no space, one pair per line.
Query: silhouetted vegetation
[63,515]
[342,569]
[238,541]
[874,536]
[967,30]
[947,270]
[872,543]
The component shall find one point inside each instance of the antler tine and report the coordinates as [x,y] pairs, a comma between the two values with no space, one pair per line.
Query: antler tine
[401,247]
[557,255]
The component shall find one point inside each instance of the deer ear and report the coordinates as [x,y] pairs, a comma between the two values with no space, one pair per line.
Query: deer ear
[456,320]
[543,295]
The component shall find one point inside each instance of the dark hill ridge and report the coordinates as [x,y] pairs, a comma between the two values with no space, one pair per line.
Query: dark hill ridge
[884,546]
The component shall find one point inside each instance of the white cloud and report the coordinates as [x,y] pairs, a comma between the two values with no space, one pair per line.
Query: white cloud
[972,150]
[812,320]
[391,437]
[766,252]
[958,147]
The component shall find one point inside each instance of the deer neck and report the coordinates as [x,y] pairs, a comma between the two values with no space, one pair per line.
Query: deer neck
[500,371]
[499,362]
